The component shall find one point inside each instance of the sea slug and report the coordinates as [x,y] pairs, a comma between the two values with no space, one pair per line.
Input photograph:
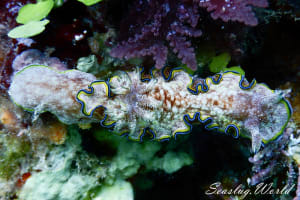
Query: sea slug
[39,88]
[162,103]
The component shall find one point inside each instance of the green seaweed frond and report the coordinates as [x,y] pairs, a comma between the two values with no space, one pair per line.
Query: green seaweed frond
[89,2]
[219,62]
[32,17]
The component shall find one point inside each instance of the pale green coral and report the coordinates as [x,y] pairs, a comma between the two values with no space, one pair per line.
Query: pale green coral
[57,185]
[68,172]
[171,162]
[88,64]
[131,156]
[59,179]
[120,190]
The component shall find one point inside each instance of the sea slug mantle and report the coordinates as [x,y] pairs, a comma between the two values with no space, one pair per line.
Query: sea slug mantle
[163,103]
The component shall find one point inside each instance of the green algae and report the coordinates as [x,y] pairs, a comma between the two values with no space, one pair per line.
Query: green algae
[12,151]
[29,29]
[34,12]
[89,2]
[219,62]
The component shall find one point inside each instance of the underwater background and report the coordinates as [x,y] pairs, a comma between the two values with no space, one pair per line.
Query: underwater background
[150,99]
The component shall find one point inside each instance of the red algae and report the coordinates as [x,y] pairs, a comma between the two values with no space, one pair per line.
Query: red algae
[21,181]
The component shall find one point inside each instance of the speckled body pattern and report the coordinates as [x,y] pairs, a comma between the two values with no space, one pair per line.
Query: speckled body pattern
[39,88]
[165,103]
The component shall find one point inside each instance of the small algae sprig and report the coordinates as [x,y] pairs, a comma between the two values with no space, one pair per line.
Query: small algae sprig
[32,17]
[163,103]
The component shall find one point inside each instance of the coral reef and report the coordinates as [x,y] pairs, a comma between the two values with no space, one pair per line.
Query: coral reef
[266,162]
[43,156]
[127,162]
[52,175]
[18,123]
[158,23]
[293,152]
[88,64]
[121,190]
[100,45]
[277,157]
[170,162]
[9,48]
[163,106]
[13,154]
[69,172]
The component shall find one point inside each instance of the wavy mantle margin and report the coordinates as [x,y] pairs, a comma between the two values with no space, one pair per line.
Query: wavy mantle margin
[195,89]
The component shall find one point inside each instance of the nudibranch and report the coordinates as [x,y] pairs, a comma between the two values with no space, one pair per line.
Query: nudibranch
[38,88]
[162,103]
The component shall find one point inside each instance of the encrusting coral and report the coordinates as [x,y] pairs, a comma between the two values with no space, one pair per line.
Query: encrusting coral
[162,104]
[266,162]
[158,23]
[96,177]
[15,121]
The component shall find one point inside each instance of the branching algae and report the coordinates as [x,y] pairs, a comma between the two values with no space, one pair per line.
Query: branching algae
[163,103]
